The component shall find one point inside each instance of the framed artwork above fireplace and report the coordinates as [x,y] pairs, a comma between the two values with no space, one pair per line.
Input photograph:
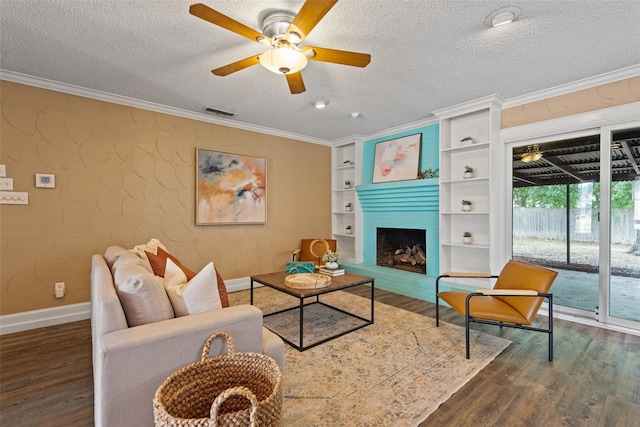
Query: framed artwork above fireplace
[397,159]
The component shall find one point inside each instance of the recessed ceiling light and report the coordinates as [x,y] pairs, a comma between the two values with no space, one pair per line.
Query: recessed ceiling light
[503,16]
[355,114]
[320,104]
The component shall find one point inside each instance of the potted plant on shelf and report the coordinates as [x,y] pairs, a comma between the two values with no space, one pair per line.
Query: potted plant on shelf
[347,229]
[347,207]
[347,184]
[331,259]
[466,205]
[466,140]
[466,238]
[468,172]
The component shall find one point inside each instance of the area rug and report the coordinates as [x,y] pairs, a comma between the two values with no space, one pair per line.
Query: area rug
[395,372]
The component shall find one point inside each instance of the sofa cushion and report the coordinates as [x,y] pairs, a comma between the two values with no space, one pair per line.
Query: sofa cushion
[158,263]
[112,254]
[191,296]
[141,293]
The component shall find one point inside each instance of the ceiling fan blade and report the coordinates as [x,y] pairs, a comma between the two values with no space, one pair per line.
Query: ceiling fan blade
[236,66]
[296,85]
[210,15]
[311,13]
[343,57]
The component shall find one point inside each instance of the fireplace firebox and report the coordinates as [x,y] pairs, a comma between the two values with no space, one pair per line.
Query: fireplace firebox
[402,249]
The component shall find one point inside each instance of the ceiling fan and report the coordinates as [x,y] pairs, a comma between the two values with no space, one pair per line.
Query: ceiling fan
[283,31]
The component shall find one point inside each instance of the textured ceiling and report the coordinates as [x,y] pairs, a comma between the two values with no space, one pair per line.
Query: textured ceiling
[426,55]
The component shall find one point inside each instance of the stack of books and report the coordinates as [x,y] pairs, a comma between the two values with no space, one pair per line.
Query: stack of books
[329,272]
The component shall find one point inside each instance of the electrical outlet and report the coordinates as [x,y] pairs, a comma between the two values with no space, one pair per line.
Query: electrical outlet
[59,288]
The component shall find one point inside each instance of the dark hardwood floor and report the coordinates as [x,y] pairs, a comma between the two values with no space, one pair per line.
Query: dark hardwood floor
[594,380]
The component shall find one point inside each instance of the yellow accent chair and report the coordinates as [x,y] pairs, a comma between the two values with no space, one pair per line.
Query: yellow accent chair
[513,302]
[312,250]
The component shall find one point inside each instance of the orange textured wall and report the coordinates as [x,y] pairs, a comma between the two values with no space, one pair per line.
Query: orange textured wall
[621,92]
[125,175]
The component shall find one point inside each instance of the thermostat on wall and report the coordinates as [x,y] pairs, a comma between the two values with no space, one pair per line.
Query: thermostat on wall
[44,180]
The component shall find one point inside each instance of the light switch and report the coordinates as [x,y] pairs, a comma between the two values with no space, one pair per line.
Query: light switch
[6,184]
[3,171]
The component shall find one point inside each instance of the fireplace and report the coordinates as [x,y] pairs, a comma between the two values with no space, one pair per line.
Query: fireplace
[402,249]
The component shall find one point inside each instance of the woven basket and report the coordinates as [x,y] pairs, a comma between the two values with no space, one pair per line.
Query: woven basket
[237,389]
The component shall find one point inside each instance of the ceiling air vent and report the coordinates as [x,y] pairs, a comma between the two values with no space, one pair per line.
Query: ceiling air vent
[220,113]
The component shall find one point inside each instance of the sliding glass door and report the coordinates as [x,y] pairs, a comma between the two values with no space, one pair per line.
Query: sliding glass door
[621,295]
[576,210]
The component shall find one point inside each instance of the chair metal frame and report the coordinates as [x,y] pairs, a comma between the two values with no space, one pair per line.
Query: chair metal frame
[468,319]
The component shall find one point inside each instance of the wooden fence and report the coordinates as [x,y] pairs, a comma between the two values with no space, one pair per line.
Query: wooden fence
[548,223]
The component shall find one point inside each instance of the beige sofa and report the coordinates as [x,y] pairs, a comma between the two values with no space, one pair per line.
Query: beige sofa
[130,363]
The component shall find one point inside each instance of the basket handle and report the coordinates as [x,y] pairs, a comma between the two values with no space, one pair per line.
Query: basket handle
[207,346]
[235,391]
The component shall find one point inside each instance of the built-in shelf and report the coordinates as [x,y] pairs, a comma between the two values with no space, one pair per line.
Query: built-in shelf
[460,244]
[470,147]
[479,120]
[464,181]
[344,235]
[465,213]
[341,196]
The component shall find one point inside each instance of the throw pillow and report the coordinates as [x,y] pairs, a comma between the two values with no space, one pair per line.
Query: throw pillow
[141,294]
[126,257]
[193,296]
[158,263]
[151,246]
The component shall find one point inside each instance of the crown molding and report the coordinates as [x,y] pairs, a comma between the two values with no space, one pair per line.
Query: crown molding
[624,73]
[386,132]
[402,128]
[145,105]
[491,101]
[611,116]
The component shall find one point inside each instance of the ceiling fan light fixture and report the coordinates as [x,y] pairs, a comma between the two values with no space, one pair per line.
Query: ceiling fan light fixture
[294,37]
[531,154]
[503,16]
[283,60]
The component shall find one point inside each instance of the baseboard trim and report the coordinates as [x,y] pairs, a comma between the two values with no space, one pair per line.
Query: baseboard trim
[18,322]
[240,284]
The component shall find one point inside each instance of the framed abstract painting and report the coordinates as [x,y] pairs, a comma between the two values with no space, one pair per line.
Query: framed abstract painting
[230,188]
[397,159]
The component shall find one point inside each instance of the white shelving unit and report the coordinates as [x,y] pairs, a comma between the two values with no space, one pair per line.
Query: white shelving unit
[479,120]
[344,169]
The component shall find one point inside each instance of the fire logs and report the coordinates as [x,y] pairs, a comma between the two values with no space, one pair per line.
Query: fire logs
[413,255]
